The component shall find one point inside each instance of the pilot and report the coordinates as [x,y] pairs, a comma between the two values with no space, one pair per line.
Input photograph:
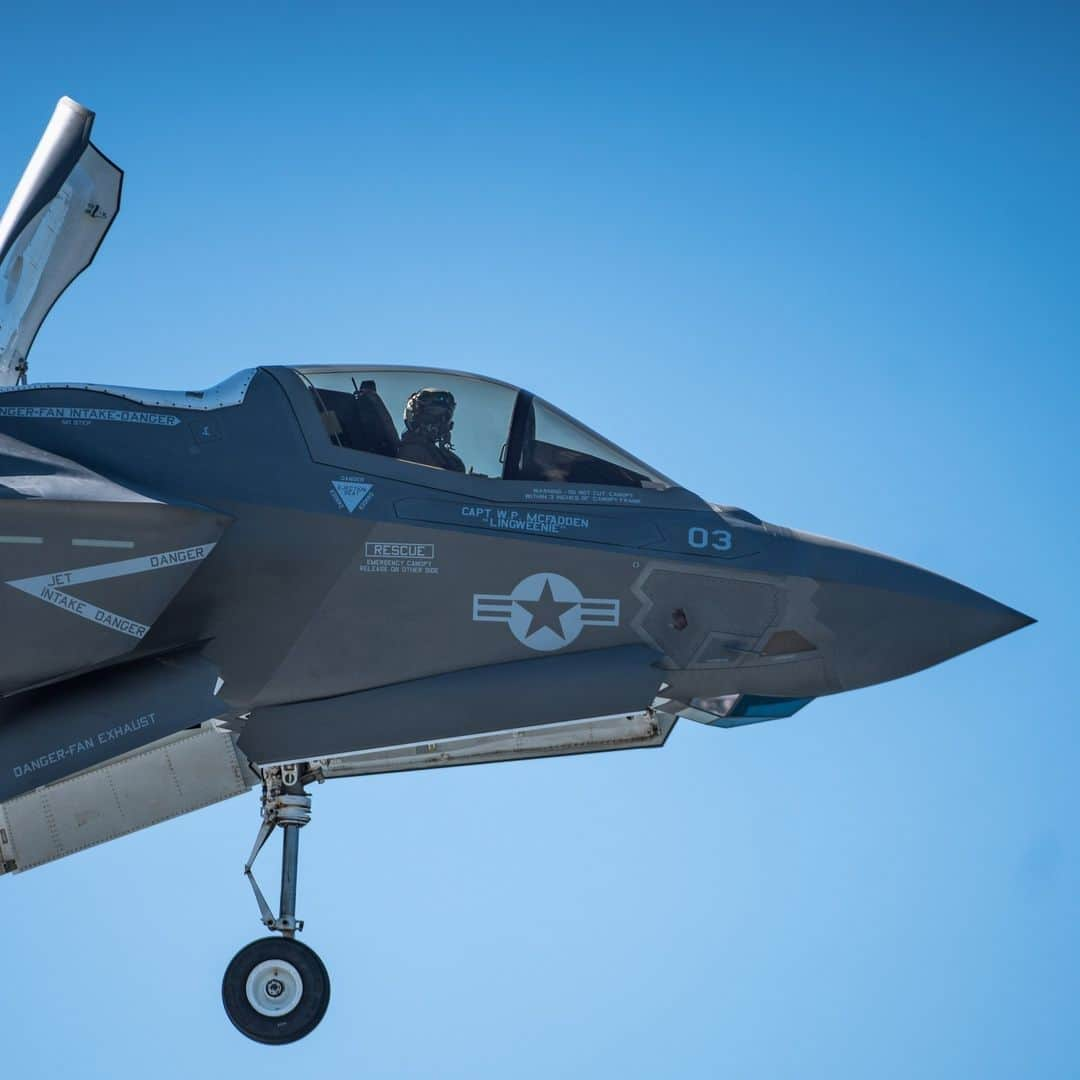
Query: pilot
[429,419]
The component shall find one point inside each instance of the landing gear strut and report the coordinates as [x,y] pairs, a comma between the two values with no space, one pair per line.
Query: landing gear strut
[276,990]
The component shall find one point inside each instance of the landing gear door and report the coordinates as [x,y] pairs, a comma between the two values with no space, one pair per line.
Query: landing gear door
[51,230]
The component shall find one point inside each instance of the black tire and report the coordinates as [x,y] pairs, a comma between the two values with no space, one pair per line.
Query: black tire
[300,1019]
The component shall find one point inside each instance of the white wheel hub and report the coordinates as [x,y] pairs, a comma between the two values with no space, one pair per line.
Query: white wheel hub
[274,988]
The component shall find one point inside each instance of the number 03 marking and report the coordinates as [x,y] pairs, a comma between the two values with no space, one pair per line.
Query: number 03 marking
[701,538]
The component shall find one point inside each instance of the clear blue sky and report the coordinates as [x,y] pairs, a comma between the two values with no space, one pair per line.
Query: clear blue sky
[819,264]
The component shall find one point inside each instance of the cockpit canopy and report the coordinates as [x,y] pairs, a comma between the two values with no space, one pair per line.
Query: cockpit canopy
[467,424]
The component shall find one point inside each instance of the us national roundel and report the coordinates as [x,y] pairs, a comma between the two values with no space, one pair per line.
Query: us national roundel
[545,611]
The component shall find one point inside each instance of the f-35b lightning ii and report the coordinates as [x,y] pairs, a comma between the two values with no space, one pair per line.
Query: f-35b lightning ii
[307,573]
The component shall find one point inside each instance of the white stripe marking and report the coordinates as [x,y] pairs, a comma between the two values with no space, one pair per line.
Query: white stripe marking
[50,587]
[124,568]
[491,608]
[103,543]
[21,540]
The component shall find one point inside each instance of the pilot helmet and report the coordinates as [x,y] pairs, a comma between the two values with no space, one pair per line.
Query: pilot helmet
[431,413]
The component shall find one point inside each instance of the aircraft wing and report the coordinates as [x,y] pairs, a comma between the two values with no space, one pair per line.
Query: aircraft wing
[86,565]
[51,230]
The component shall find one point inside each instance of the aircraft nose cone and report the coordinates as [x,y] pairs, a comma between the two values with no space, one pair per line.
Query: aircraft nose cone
[887,618]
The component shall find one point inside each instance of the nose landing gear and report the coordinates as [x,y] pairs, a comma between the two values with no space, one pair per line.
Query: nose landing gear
[276,990]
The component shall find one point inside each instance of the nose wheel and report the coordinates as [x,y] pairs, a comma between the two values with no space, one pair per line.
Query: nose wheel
[276,990]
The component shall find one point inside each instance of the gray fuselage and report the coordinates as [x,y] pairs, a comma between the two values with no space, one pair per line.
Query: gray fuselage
[348,600]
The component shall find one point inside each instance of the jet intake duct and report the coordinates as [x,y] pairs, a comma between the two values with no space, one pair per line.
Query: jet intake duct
[69,599]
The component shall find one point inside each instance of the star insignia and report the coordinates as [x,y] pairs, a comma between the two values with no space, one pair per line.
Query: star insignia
[546,611]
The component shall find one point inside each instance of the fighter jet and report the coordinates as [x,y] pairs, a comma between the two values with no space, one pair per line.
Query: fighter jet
[307,573]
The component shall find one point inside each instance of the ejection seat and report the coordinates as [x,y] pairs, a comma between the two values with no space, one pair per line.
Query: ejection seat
[360,420]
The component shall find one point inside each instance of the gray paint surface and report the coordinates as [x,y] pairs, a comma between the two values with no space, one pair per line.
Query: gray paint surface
[345,600]
[48,734]
[522,693]
[328,642]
